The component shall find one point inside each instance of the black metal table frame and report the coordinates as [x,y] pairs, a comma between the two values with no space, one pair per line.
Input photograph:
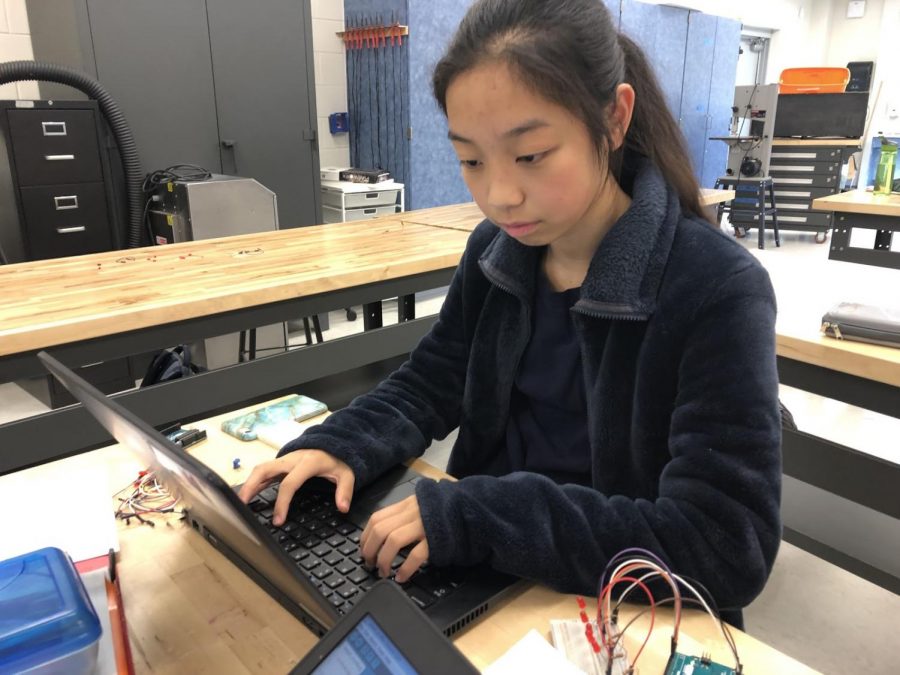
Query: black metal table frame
[881,254]
[70,431]
[838,469]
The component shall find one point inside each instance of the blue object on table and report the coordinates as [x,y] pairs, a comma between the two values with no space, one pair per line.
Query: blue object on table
[47,621]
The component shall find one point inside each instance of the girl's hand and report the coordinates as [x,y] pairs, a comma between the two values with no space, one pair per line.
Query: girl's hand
[296,468]
[389,530]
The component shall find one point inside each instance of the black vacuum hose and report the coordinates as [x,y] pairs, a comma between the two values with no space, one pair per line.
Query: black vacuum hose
[18,71]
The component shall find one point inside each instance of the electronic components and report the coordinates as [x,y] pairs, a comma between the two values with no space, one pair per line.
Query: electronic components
[680,664]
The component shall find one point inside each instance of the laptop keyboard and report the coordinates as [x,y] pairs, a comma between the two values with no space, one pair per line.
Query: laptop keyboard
[324,545]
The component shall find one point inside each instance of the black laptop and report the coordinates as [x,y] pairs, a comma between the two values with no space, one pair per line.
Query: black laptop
[311,564]
[385,634]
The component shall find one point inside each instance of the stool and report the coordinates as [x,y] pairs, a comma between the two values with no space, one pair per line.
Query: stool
[750,201]
[248,353]
[316,327]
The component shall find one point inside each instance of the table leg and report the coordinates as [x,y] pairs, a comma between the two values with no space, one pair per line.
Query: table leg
[372,315]
[406,308]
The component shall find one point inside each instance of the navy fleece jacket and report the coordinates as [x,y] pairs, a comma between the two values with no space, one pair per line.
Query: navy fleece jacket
[676,330]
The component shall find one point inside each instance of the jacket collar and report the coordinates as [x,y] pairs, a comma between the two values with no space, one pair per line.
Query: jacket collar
[625,273]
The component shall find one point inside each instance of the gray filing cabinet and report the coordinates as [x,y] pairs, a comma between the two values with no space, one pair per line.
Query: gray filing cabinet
[58,201]
[803,170]
[60,176]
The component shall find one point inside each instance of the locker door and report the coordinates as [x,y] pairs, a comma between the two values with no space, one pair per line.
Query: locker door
[153,57]
[264,90]
[721,97]
[662,33]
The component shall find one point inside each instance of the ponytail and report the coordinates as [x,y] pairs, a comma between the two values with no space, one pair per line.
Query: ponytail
[654,133]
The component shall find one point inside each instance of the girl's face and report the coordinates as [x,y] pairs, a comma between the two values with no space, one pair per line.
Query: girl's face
[530,165]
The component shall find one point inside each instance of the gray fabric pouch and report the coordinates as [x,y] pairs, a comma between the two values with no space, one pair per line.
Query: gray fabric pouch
[863,323]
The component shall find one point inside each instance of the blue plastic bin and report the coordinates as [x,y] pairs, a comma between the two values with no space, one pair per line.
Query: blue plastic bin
[47,622]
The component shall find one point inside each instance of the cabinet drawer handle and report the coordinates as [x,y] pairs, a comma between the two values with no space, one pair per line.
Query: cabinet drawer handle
[793,193]
[53,128]
[796,167]
[371,195]
[793,155]
[58,158]
[66,203]
[370,211]
[70,230]
[795,181]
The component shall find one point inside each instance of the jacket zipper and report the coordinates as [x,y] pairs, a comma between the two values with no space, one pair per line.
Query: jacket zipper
[610,315]
[506,289]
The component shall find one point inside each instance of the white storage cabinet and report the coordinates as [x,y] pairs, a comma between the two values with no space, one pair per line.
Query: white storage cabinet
[343,201]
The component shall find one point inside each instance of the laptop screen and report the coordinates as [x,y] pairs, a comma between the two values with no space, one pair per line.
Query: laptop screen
[208,498]
[365,650]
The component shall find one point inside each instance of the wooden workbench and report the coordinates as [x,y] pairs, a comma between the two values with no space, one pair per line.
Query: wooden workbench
[866,228]
[466,217]
[54,302]
[859,201]
[190,610]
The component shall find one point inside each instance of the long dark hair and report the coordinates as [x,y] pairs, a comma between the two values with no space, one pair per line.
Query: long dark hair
[569,52]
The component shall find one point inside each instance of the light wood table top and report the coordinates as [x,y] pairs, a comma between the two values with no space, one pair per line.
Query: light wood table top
[871,362]
[466,217]
[52,302]
[851,142]
[190,610]
[860,201]
[807,286]
[709,196]
[463,217]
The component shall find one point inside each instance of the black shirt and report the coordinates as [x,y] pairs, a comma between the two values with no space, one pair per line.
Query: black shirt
[547,429]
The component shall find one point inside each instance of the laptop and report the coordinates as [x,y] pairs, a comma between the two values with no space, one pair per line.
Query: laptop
[311,565]
[385,633]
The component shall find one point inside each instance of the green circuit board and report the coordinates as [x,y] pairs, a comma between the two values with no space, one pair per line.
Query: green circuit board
[681,664]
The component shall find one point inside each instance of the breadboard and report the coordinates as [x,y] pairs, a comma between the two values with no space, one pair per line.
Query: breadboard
[568,637]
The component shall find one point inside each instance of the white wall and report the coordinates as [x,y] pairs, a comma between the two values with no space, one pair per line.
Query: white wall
[802,41]
[331,78]
[853,39]
[886,116]
[15,45]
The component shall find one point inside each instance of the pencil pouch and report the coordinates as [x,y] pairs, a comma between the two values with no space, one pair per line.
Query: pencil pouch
[296,408]
[863,323]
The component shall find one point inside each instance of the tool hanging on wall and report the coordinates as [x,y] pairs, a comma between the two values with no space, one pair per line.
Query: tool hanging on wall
[377,82]
[372,36]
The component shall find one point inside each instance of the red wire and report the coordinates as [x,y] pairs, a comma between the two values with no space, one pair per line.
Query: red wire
[676,595]
[608,589]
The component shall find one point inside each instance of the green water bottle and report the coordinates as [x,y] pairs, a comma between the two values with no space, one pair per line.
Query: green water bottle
[884,172]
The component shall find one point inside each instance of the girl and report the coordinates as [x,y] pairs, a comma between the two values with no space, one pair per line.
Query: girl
[607,354]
